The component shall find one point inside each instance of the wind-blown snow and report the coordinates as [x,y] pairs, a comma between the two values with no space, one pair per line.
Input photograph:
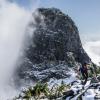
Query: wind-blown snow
[13,23]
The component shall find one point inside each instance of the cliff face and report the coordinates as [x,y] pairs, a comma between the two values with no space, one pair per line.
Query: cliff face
[56,39]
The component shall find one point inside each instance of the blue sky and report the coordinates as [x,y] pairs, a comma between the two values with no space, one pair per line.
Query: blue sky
[85,13]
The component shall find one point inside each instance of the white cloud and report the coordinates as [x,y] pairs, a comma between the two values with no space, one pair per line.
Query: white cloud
[93,50]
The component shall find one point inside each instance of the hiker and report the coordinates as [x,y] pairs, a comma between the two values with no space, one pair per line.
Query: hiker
[84,71]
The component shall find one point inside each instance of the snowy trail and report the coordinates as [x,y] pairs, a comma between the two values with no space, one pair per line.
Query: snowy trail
[86,87]
[91,91]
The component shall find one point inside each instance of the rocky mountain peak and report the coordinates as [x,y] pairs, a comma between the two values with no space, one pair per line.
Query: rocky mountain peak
[54,37]
[55,46]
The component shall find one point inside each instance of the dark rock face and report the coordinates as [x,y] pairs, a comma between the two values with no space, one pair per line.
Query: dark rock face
[56,39]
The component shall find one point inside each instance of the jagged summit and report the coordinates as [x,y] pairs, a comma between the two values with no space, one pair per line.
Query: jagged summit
[55,46]
[54,37]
